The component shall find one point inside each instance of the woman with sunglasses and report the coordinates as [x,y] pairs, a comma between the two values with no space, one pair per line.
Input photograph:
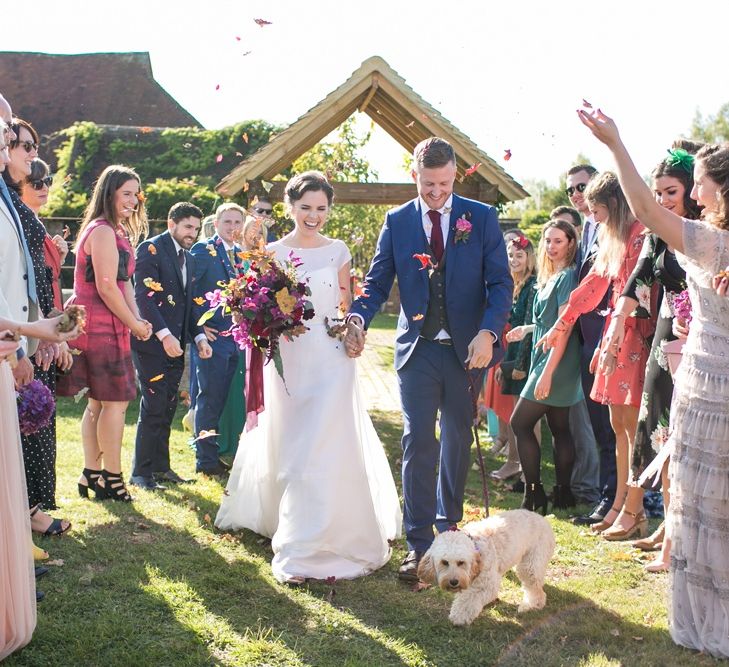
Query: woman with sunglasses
[39,448]
[35,196]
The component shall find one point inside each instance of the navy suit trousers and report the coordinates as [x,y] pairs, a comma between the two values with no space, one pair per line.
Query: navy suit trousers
[214,376]
[434,470]
[156,410]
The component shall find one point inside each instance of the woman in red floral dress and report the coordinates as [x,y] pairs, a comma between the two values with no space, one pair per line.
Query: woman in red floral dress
[619,372]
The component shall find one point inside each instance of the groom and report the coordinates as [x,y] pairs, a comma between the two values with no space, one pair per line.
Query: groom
[449,258]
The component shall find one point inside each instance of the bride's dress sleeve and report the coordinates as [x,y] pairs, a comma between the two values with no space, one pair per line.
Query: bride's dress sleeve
[706,245]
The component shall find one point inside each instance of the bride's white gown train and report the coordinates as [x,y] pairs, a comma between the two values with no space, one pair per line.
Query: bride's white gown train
[313,475]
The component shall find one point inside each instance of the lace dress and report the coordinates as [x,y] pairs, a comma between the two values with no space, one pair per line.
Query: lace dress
[698,518]
[312,475]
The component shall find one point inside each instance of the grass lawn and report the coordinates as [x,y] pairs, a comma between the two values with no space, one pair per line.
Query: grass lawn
[153,583]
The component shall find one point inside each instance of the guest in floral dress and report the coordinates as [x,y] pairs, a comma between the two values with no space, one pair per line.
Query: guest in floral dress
[621,372]
[672,184]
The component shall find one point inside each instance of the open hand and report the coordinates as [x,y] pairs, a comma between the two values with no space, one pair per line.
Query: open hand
[549,339]
[543,387]
[516,334]
[603,128]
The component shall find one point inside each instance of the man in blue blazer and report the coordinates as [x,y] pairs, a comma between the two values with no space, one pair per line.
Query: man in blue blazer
[163,287]
[450,261]
[216,261]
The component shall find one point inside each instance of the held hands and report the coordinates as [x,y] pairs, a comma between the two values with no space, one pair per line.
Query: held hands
[172,346]
[142,330]
[46,354]
[203,349]
[480,350]
[354,339]
[64,360]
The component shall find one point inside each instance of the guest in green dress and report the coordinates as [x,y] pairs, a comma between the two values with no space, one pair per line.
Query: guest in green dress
[233,418]
[554,381]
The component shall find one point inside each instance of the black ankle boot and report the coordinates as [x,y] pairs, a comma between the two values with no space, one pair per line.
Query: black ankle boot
[535,498]
[562,497]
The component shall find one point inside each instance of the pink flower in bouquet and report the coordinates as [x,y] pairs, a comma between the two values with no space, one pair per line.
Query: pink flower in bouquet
[682,307]
[215,298]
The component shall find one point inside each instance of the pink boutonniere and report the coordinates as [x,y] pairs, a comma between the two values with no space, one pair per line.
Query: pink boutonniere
[463,228]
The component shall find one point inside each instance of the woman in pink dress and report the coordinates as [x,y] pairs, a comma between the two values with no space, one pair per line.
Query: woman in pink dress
[113,222]
[17,577]
[620,372]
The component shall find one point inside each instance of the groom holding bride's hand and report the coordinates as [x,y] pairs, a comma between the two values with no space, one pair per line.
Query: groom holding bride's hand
[455,290]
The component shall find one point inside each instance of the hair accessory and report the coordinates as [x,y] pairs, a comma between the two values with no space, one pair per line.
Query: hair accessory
[521,242]
[680,157]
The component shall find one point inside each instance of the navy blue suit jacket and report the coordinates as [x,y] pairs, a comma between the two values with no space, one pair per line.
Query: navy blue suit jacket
[478,281]
[172,307]
[212,266]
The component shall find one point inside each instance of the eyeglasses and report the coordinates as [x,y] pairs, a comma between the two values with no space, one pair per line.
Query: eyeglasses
[580,187]
[29,146]
[263,211]
[39,183]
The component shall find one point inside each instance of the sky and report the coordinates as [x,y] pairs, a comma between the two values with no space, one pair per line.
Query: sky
[509,74]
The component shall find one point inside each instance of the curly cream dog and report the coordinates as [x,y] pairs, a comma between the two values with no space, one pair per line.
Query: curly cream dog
[472,561]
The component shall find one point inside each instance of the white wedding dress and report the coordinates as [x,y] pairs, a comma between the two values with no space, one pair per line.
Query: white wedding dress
[313,475]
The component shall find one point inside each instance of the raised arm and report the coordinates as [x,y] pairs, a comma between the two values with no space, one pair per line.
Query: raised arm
[663,222]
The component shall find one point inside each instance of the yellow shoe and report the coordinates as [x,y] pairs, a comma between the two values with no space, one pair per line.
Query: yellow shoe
[188,421]
[38,553]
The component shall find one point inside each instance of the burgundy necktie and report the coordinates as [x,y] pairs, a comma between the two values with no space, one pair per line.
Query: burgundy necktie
[181,258]
[436,235]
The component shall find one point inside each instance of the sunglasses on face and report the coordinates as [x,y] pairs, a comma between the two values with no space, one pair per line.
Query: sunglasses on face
[580,187]
[39,183]
[28,146]
[263,211]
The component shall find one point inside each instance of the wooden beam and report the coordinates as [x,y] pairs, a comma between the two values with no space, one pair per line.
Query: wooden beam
[371,93]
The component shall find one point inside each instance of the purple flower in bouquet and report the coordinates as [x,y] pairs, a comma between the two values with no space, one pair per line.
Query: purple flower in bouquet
[682,306]
[36,406]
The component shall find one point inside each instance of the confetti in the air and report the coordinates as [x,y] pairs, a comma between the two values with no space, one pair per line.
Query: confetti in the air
[507,155]
[262,22]
[472,169]
[219,159]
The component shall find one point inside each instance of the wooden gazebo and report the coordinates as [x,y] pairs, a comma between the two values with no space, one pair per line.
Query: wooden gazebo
[380,92]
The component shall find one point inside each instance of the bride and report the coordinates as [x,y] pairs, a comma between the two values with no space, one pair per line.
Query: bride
[312,475]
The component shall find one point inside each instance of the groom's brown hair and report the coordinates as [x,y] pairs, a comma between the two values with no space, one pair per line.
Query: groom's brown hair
[433,153]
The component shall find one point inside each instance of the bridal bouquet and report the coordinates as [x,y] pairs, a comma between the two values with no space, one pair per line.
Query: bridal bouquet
[266,301]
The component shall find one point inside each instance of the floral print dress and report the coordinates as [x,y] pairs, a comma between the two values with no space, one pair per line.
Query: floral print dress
[625,385]
[657,264]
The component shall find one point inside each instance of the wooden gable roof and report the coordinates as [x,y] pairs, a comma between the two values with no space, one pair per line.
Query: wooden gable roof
[380,92]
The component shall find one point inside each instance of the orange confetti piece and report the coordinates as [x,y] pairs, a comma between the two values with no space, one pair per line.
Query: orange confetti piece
[152,284]
[244,136]
[472,169]
[141,198]
[152,249]
[211,249]
[199,300]
[145,130]
[418,317]
[157,378]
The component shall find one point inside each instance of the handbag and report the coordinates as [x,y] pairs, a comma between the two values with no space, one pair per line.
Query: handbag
[122,274]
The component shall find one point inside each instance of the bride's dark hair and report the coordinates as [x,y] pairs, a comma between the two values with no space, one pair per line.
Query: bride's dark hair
[309,181]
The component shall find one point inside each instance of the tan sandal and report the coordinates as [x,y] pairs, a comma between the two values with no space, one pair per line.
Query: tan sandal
[654,541]
[605,524]
[640,526]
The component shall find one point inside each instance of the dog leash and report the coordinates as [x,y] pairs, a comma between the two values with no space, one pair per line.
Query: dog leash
[481,466]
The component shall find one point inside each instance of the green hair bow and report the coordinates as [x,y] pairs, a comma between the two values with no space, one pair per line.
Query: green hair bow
[680,158]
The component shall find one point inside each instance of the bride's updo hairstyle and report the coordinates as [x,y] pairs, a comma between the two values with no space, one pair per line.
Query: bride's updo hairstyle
[715,160]
[309,181]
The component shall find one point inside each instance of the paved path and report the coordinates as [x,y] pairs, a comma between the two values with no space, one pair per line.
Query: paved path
[377,378]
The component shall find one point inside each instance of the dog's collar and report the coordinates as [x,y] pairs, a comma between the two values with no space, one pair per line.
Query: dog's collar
[456,529]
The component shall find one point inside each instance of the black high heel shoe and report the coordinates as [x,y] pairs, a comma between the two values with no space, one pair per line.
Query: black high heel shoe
[562,497]
[535,498]
[114,488]
[92,477]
